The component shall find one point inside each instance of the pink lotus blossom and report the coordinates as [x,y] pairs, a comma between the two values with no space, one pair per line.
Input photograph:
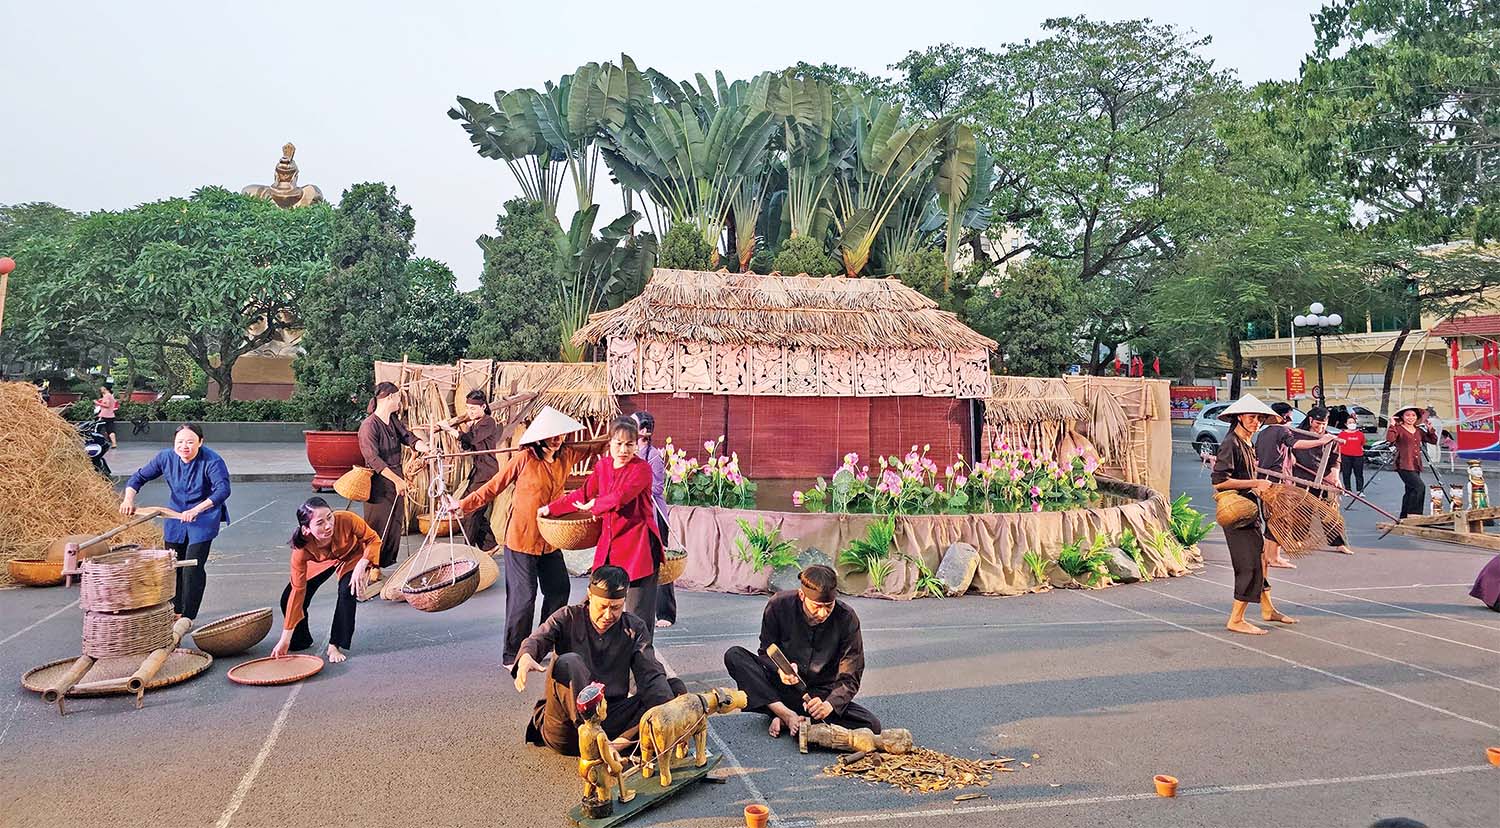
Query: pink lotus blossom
[1036,491]
[960,481]
[1015,474]
[1080,483]
[1036,505]
[948,472]
[708,446]
[797,498]
[1090,465]
[938,488]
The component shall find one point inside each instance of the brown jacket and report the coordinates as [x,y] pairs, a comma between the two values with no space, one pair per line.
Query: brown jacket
[537,484]
[352,539]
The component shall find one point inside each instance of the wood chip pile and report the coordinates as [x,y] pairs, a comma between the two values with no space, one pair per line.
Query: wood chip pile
[922,770]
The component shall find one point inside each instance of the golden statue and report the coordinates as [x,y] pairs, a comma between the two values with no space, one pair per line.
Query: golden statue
[285,192]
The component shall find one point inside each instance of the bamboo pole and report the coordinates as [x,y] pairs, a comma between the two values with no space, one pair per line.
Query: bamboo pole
[150,666]
[59,689]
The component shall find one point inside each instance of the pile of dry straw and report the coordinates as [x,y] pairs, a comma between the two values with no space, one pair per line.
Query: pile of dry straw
[48,487]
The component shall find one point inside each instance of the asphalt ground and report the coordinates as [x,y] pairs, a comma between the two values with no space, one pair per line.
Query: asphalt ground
[1380,703]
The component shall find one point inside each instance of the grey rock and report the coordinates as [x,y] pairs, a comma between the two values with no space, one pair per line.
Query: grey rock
[578,561]
[1122,568]
[958,567]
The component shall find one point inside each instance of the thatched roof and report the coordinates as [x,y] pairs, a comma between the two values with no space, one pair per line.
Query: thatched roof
[829,313]
[579,389]
[1030,400]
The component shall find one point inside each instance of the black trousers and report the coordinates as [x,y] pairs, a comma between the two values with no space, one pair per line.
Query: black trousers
[640,600]
[523,573]
[387,516]
[1352,468]
[342,635]
[554,721]
[762,686]
[477,525]
[1411,499]
[1245,548]
[666,594]
[191,580]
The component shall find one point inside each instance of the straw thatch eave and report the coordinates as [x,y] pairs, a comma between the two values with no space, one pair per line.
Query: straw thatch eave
[1023,400]
[580,390]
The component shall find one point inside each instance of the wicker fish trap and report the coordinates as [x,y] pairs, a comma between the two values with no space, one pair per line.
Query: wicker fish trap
[107,634]
[1300,520]
[129,580]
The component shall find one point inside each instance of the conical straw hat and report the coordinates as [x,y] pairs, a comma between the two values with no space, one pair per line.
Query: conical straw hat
[549,423]
[1248,404]
[1396,415]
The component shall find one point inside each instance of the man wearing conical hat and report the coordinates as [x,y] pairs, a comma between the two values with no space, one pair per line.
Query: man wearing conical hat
[1274,445]
[539,472]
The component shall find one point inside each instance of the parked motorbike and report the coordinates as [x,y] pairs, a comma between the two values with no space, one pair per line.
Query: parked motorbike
[1382,453]
[95,444]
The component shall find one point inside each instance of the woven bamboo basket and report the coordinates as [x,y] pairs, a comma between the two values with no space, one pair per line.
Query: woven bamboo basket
[579,530]
[1233,510]
[1299,520]
[673,567]
[107,634]
[354,484]
[442,587]
[445,526]
[35,573]
[181,665]
[235,634]
[123,581]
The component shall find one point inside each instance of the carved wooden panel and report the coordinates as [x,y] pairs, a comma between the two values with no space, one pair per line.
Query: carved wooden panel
[973,368]
[937,373]
[624,365]
[904,369]
[767,370]
[871,377]
[731,369]
[695,372]
[836,373]
[658,366]
[801,372]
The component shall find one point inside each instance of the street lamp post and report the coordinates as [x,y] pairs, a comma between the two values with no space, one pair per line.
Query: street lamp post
[1320,324]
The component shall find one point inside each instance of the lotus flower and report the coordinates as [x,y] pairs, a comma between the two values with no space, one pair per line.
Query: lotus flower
[1080,483]
[1036,491]
[1036,505]
[708,446]
[797,498]
[960,481]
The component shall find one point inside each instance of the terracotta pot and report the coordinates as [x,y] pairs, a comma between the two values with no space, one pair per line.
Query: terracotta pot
[1493,754]
[331,453]
[63,398]
[756,816]
[144,396]
[1165,785]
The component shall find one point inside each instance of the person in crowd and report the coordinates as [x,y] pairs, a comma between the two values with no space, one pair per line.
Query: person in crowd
[1407,434]
[618,491]
[326,544]
[666,595]
[1351,453]
[1236,470]
[540,474]
[1433,451]
[477,431]
[1273,446]
[597,640]
[1487,584]
[381,436]
[1305,465]
[820,636]
[198,481]
[107,407]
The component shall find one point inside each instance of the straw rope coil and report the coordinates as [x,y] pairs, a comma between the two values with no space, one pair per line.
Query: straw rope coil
[1300,520]
[136,632]
[122,581]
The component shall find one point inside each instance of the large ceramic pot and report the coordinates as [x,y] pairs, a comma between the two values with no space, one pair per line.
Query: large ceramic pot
[144,396]
[331,453]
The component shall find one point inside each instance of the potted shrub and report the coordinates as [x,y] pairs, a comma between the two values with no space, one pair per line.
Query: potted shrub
[764,552]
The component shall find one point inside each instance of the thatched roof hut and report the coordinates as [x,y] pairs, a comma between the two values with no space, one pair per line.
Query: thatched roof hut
[743,334]
[1026,400]
[579,390]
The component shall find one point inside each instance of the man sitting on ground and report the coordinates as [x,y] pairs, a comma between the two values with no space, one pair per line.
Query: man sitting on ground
[820,636]
[596,640]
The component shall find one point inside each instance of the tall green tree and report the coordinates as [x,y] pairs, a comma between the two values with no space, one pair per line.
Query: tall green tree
[436,320]
[1032,313]
[524,265]
[353,307]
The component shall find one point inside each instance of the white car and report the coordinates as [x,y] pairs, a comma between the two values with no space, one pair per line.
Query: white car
[1209,431]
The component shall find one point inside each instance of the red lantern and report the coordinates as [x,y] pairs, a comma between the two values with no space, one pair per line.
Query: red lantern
[7,264]
[1453,353]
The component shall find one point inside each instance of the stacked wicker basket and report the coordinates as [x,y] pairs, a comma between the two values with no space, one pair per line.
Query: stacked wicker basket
[127,603]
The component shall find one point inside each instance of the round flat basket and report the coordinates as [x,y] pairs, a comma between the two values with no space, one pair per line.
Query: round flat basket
[489,572]
[136,632]
[442,587]
[129,580]
[579,530]
[35,573]
[673,567]
[181,665]
[235,634]
[268,671]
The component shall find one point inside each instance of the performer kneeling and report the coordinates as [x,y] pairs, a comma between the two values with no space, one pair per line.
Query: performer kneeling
[325,542]
[820,636]
[595,641]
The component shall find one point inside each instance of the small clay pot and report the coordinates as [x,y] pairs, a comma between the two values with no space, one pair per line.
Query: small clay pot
[756,816]
[1493,754]
[1165,785]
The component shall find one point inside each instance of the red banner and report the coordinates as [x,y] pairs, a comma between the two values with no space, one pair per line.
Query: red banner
[1188,400]
[1474,400]
[1296,383]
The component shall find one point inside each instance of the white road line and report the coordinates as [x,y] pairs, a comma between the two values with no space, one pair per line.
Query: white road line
[33,625]
[685,637]
[1212,790]
[260,759]
[239,520]
[734,761]
[1317,608]
[9,720]
[1320,671]
[1405,586]
[1295,631]
[1491,627]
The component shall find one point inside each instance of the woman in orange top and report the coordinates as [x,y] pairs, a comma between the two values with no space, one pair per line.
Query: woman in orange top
[540,474]
[325,542]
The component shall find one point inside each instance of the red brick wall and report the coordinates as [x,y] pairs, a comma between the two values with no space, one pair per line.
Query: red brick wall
[803,437]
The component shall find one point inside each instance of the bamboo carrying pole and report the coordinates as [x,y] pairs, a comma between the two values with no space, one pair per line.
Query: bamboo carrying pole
[60,688]
[72,550]
[150,666]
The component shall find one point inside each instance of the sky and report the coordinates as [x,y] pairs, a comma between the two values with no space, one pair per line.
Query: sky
[105,105]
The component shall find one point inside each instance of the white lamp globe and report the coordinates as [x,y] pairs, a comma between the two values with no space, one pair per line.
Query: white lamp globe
[1335,320]
[1300,321]
[1316,308]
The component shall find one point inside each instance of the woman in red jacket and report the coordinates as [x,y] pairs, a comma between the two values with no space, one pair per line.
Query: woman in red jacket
[619,492]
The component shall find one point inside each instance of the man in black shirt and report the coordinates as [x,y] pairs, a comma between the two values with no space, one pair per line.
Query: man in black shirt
[820,636]
[596,640]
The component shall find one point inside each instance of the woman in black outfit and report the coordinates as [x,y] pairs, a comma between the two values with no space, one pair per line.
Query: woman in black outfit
[478,431]
[1234,470]
[1407,434]
[381,436]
